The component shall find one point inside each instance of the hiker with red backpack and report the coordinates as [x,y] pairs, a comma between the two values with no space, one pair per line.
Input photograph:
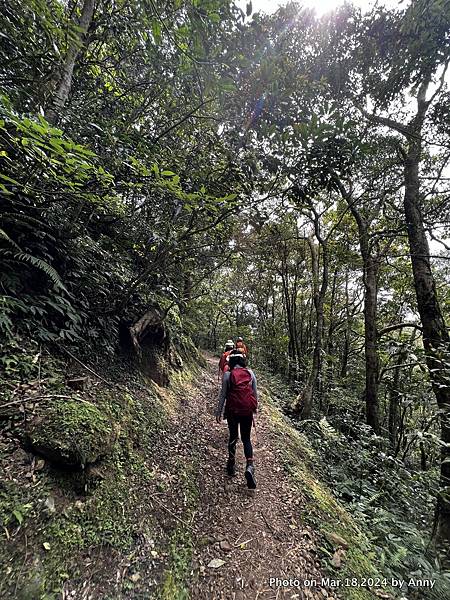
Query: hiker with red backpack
[223,362]
[238,401]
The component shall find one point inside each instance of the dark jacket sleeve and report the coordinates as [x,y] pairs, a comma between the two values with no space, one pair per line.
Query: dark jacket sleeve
[223,394]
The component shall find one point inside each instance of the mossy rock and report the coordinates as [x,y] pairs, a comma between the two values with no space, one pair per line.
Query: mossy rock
[71,433]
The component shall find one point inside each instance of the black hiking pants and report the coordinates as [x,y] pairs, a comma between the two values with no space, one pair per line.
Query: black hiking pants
[245,424]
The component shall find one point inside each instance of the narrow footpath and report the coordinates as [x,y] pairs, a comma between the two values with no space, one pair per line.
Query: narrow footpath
[245,537]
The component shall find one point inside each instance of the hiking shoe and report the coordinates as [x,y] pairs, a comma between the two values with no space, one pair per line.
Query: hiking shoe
[231,467]
[250,476]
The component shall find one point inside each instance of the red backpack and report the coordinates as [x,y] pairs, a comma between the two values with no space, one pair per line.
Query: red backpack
[223,365]
[241,399]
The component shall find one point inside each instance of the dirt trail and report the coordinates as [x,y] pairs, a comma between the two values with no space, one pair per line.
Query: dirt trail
[257,534]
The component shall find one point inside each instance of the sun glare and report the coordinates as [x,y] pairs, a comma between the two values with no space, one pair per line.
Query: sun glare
[323,6]
[320,6]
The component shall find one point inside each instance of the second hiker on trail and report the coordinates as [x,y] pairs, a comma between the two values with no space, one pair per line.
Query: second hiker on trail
[238,401]
[223,363]
[242,347]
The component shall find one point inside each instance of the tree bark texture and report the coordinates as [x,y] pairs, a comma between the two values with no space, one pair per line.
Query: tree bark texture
[319,297]
[64,79]
[370,281]
[371,341]
[435,335]
[394,400]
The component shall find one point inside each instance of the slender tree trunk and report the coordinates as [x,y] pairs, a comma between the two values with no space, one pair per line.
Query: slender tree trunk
[63,83]
[370,281]
[290,323]
[296,328]
[394,401]
[331,328]
[301,337]
[319,296]
[309,327]
[401,432]
[371,341]
[346,346]
[289,295]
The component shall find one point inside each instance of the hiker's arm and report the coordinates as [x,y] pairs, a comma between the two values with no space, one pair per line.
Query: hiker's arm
[255,387]
[223,395]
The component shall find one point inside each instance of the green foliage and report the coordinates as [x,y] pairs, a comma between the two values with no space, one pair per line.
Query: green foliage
[60,231]
[392,502]
[105,189]
[322,510]
[35,290]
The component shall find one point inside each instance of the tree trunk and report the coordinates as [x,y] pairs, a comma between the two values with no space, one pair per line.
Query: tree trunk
[289,303]
[301,335]
[296,327]
[370,280]
[435,336]
[291,345]
[319,296]
[346,344]
[63,82]
[394,401]
[330,336]
[370,341]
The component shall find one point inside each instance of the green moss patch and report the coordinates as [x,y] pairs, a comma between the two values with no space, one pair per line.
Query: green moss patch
[71,433]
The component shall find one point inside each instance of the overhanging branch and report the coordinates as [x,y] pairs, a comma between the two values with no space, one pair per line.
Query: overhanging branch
[398,326]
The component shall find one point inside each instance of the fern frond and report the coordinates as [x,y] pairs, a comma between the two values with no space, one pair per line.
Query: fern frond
[6,237]
[23,219]
[328,430]
[43,266]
